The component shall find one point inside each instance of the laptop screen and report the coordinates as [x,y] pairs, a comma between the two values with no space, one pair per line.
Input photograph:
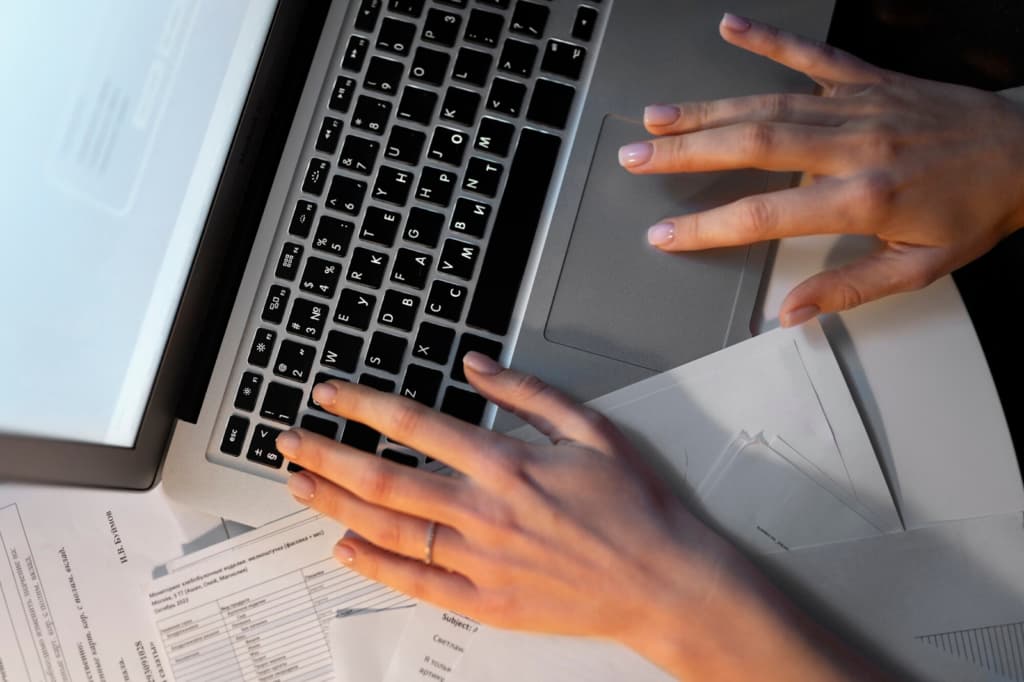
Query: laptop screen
[117,118]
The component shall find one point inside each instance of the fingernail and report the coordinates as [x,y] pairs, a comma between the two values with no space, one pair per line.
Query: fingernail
[735,23]
[480,363]
[661,114]
[802,314]
[344,553]
[288,443]
[661,234]
[302,486]
[324,394]
[635,154]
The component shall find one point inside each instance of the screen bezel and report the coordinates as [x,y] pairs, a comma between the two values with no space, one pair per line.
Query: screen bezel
[233,218]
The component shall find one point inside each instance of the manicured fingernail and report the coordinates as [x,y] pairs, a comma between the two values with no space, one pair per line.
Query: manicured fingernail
[288,443]
[480,363]
[661,234]
[635,154]
[735,23]
[344,553]
[302,486]
[661,114]
[802,314]
[324,394]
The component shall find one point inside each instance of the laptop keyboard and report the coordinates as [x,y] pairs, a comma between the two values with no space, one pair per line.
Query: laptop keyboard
[414,215]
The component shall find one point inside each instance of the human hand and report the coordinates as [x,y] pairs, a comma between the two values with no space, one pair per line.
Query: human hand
[935,171]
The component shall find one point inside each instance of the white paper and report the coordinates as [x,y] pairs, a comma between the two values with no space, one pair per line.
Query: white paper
[363,644]
[431,647]
[75,563]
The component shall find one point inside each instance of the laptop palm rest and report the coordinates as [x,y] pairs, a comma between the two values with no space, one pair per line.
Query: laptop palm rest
[621,298]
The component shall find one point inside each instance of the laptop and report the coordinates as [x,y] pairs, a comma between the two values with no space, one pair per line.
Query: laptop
[213,206]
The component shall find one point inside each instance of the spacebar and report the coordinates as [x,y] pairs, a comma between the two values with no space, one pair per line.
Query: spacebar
[515,227]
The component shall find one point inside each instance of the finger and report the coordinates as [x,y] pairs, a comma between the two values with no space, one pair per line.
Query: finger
[891,270]
[463,446]
[668,119]
[386,528]
[829,206]
[376,480]
[818,60]
[409,576]
[766,145]
[547,409]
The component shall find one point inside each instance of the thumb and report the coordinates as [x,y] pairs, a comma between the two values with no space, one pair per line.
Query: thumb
[893,269]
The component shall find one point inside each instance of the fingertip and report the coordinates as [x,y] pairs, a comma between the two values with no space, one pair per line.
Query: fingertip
[660,115]
[799,315]
[733,23]
[345,551]
[481,364]
[662,234]
[636,154]
[288,443]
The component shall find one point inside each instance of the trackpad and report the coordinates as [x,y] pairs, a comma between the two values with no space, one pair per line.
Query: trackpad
[621,298]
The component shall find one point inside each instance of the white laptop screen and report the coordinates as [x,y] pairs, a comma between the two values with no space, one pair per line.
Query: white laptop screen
[117,117]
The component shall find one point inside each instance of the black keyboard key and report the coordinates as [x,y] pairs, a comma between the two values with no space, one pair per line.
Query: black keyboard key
[377,383]
[371,114]
[393,185]
[367,267]
[302,219]
[441,27]
[341,95]
[458,259]
[263,448]
[464,405]
[383,75]
[423,227]
[421,384]
[281,403]
[411,268]
[308,318]
[386,352]
[380,226]
[436,186]
[417,105]
[430,66]
[515,226]
[316,176]
[506,97]
[333,235]
[563,59]
[320,277]
[294,361]
[396,36]
[500,4]
[551,103]
[262,347]
[405,145]
[355,54]
[346,194]
[412,8]
[359,154]
[453,3]
[398,310]
[446,300]
[288,262]
[529,19]
[277,301]
[518,57]
[472,342]
[447,145]
[360,437]
[482,176]
[460,106]
[484,27]
[470,217]
[583,27]
[366,19]
[248,391]
[400,458]
[433,343]
[341,351]
[330,133]
[234,436]
[321,378]
[320,426]
[494,136]
[472,66]
[355,309]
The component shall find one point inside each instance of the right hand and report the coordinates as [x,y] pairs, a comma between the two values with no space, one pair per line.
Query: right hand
[935,171]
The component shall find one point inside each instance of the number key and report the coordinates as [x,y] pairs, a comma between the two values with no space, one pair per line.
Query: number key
[294,360]
[320,277]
